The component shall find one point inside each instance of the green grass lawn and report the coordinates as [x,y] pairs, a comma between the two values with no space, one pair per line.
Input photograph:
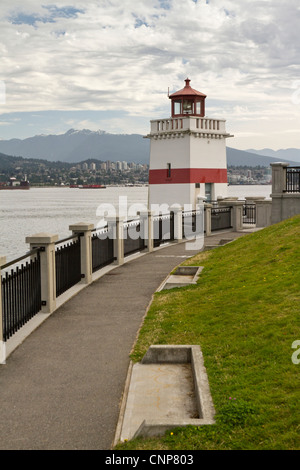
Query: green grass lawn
[244,312]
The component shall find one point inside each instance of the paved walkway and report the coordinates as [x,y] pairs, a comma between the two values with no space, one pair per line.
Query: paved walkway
[61,388]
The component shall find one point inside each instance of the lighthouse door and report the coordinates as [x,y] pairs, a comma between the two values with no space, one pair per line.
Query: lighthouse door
[208,191]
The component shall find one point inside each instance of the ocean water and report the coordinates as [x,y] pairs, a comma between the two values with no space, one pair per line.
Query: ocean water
[52,210]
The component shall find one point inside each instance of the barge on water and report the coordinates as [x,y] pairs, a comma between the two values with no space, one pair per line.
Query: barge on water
[14,184]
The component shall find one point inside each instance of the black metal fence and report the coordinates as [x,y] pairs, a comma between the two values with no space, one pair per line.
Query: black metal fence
[249,214]
[102,248]
[163,228]
[21,286]
[133,237]
[21,293]
[293,180]
[192,223]
[220,218]
[67,264]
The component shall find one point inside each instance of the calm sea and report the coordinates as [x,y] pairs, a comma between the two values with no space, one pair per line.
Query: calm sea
[52,210]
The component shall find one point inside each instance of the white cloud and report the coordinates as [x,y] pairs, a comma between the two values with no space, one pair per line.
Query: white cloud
[112,54]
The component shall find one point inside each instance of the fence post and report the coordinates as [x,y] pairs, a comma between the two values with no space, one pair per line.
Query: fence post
[46,242]
[279,177]
[263,213]
[207,219]
[146,218]
[2,343]
[85,249]
[236,215]
[281,202]
[116,224]
[178,235]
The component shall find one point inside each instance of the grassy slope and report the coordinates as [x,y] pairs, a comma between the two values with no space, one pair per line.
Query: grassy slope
[244,313]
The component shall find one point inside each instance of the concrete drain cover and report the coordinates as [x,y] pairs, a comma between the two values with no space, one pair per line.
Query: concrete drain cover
[183,276]
[168,388]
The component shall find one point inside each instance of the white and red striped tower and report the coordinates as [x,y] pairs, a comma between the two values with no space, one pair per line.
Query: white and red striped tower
[187,153]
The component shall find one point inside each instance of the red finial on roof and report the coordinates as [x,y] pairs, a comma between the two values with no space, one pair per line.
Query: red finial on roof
[187,82]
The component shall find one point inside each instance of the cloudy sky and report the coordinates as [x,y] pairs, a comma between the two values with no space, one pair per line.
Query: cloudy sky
[108,64]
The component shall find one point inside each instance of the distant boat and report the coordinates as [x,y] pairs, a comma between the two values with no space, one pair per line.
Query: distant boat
[14,184]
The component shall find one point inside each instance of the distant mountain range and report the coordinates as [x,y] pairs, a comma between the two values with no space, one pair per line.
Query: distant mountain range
[78,145]
[244,158]
[287,154]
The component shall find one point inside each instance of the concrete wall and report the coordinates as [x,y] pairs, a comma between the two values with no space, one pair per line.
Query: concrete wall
[285,206]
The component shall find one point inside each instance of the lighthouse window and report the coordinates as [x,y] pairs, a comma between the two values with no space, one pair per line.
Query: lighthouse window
[198,107]
[177,107]
[188,107]
[168,170]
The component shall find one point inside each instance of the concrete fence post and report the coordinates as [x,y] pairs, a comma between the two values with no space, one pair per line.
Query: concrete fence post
[2,343]
[46,242]
[146,218]
[263,213]
[178,236]
[116,226]
[237,215]
[85,249]
[279,177]
[207,219]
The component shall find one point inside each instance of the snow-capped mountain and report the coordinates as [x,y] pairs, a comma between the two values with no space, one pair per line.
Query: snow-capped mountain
[78,145]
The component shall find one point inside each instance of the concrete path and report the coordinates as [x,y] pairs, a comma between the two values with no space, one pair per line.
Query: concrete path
[61,388]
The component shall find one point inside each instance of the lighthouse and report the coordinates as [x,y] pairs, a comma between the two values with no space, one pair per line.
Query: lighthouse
[187,153]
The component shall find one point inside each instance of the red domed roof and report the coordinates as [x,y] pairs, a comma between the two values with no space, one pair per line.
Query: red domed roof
[187,91]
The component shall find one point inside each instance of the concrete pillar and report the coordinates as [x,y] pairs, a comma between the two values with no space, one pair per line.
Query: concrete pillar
[284,205]
[237,215]
[146,218]
[200,201]
[2,343]
[207,219]
[254,199]
[263,213]
[85,249]
[46,241]
[177,223]
[279,177]
[116,225]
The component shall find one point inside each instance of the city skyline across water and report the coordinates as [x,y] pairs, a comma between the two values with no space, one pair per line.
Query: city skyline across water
[52,210]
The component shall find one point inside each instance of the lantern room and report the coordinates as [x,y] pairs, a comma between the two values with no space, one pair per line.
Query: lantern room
[188,102]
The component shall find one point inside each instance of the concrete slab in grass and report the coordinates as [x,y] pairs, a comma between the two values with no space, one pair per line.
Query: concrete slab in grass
[167,389]
[224,241]
[183,276]
[221,242]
